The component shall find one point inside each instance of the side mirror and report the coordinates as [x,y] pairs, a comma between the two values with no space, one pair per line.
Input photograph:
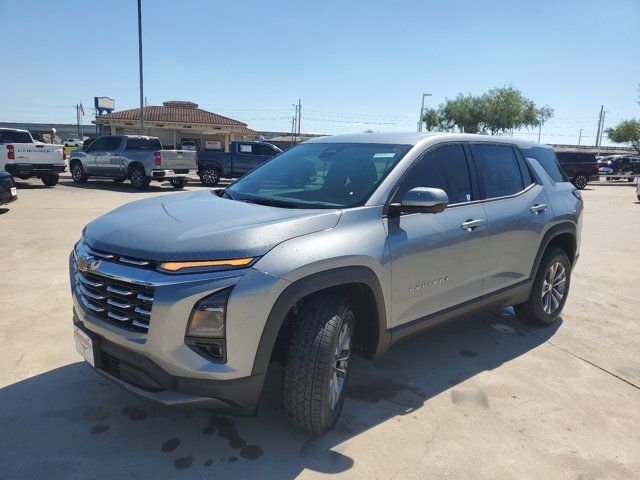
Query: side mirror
[424,200]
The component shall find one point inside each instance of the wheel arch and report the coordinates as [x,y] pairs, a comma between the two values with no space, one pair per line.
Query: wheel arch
[132,165]
[562,235]
[358,283]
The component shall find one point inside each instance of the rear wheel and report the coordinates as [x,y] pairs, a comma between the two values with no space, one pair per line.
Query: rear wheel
[549,291]
[77,173]
[318,363]
[138,178]
[210,176]
[580,181]
[50,179]
[178,183]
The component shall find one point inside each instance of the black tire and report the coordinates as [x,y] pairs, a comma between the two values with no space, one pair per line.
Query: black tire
[178,183]
[210,176]
[138,178]
[77,173]
[580,181]
[533,311]
[311,369]
[50,179]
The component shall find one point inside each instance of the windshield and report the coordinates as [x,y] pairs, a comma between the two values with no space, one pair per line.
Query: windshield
[320,175]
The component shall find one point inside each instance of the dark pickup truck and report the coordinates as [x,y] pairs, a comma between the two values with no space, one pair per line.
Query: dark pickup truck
[580,167]
[242,158]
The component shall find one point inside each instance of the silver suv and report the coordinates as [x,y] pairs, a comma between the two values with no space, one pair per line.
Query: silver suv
[340,245]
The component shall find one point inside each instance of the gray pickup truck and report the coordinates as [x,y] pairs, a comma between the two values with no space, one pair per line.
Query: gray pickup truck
[138,158]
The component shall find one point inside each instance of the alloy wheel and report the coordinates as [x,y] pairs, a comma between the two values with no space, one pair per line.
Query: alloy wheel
[340,366]
[553,288]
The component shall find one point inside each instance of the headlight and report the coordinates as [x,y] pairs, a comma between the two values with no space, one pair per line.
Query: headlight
[208,316]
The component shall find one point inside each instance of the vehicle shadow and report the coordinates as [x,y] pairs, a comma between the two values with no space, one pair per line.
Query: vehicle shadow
[72,422]
[124,187]
[3,210]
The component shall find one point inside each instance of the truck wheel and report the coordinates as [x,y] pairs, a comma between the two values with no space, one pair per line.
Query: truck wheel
[580,181]
[139,179]
[178,183]
[318,363]
[50,179]
[210,177]
[77,173]
[549,291]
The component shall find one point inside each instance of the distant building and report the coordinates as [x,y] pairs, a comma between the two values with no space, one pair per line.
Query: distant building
[176,122]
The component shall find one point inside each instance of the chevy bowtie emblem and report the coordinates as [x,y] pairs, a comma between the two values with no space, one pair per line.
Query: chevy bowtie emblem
[88,263]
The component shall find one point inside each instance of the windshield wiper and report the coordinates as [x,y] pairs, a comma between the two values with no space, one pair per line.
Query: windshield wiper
[270,202]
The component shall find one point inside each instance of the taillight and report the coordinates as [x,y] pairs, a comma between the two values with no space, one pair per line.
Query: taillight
[197,159]
[11,155]
[157,159]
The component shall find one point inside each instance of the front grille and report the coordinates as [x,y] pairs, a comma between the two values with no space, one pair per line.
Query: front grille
[110,364]
[121,303]
[115,258]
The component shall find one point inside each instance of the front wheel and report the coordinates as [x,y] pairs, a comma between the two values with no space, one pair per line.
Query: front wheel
[318,363]
[580,181]
[178,183]
[210,177]
[50,179]
[139,179]
[550,289]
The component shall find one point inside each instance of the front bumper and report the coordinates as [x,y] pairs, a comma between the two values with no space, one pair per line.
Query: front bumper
[158,363]
[144,377]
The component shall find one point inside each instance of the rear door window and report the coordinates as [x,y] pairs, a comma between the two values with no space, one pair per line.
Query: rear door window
[498,170]
[547,158]
[246,148]
[114,143]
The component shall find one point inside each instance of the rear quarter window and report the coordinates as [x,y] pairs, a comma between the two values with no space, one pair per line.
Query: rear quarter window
[8,136]
[547,158]
[143,144]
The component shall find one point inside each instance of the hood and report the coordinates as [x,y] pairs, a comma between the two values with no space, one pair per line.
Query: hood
[201,226]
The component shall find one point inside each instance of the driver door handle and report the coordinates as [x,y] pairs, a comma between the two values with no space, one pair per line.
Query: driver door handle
[538,208]
[470,224]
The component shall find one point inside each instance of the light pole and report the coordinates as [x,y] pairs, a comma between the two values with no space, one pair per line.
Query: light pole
[140,64]
[422,111]
[580,137]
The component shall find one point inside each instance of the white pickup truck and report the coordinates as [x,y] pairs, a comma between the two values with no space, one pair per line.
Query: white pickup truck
[23,157]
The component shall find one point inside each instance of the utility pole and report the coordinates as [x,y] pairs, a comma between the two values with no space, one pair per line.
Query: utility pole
[299,115]
[140,65]
[422,111]
[78,118]
[295,122]
[579,137]
[293,128]
[599,125]
[604,113]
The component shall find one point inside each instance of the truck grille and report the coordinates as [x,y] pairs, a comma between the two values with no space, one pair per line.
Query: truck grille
[115,258]
[121,303]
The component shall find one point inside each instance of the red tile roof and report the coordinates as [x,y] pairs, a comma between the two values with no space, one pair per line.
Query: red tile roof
[174,112]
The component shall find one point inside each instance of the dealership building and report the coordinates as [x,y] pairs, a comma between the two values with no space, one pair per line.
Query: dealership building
[176,122]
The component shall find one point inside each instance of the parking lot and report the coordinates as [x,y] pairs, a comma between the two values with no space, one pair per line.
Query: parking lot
[487,397]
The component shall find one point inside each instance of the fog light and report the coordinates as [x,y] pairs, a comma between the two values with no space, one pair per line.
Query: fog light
[208,316]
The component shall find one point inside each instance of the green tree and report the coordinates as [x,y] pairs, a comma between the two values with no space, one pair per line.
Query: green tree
[627,131]
[498,111]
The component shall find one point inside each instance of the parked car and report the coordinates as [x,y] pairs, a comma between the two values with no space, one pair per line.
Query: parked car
[241,159]
[620,165]
[189,146]
[73,142]
[140,159]
[187,298]
[581,167]
[8,190]
[23,157]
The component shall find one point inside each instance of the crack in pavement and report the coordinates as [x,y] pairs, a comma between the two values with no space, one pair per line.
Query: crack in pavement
[595,365]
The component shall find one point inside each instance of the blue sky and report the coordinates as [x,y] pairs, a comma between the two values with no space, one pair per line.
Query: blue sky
[356,65]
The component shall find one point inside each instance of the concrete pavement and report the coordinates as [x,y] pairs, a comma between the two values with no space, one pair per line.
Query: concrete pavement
[487,397]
